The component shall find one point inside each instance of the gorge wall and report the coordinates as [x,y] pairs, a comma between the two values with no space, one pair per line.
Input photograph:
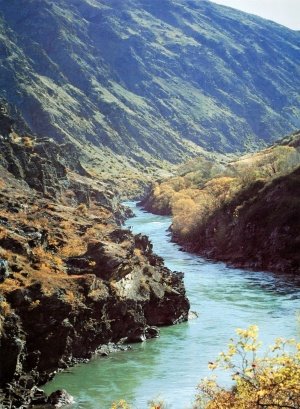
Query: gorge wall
[71,279]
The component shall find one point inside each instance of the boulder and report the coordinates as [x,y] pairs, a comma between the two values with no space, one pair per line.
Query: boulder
[4,270]
[60,398]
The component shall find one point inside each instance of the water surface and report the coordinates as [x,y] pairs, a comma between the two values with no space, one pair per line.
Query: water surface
[171,366]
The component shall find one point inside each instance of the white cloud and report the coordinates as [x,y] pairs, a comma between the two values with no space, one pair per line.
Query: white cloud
[285,12]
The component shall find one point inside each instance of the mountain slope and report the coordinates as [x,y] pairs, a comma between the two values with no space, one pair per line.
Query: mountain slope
[149,78]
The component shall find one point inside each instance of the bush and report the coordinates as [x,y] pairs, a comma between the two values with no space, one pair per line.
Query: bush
[271,381]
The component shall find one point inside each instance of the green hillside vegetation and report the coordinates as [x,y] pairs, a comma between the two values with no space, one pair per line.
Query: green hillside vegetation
[245,211]
[148,80]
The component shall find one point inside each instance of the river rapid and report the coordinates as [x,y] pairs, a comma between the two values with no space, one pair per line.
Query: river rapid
[171,366]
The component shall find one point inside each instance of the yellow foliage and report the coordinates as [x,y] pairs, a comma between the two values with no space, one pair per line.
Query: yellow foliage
[34,304]
[271,381]
[153,404]
[181,203]
[5,308]
[28,141]
[121,404]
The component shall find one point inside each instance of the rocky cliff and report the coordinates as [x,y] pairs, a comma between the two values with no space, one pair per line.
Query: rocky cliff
[258,229]
[245,212]
[70,279]
[149,79]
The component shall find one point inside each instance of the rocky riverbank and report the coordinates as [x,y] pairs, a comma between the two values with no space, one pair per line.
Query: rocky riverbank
[71,280]
[246,213]
[258,229]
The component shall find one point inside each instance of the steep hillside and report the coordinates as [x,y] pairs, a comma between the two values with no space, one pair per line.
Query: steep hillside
[245,212]
[149,79]
[71,280]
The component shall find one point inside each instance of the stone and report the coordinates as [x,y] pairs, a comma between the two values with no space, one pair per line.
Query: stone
[4,270]
[39,397]
[192,315]
[60,398]
[142,333]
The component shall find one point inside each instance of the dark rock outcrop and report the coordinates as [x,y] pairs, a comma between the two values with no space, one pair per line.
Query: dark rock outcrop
[257,229]
[121,296]
[60,398]
[71,280]
[4,270]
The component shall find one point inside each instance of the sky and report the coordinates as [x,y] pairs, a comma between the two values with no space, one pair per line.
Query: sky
[285,12]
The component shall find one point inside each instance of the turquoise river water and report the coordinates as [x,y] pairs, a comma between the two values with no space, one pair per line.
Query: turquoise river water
[171,366]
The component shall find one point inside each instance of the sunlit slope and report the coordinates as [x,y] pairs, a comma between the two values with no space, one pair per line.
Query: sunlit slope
[144,78]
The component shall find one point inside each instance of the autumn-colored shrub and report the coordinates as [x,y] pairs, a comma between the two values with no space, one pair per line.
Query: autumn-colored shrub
[121,404]
[153,404]
[205,186]
[28,141]
[264,381]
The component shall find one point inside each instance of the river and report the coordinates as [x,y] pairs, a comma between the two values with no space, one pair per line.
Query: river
[171,367]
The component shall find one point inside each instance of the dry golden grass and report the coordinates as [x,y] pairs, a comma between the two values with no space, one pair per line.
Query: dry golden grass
[69,296]
[82,209]
[69,230]
[2,184]
[66,225]
[3,233]
[5,308]
[138,252]
[9,285]
[75,247]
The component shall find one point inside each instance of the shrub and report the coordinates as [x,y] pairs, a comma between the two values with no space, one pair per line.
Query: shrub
[121,404]
[271,381]
[28,142]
